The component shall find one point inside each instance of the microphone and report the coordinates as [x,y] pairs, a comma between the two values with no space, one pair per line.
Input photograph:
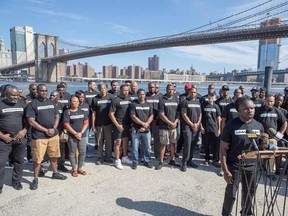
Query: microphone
[276,135]
[252,136]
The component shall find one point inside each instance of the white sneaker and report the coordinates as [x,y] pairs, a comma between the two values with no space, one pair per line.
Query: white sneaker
[126,160]
[221,173]
[118,164]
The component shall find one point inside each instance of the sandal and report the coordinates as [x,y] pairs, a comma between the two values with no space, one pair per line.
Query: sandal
[81,172]
[74,173]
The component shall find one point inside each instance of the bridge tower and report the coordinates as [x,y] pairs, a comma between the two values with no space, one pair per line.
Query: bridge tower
[45,46]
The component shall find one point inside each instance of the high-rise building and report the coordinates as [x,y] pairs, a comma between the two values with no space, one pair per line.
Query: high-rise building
[138,72]
[269,49]
[153,63]
[115,72]
[22,44]
[107,71]
[131,72]
[5,55]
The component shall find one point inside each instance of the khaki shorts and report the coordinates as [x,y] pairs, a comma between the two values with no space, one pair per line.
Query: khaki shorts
[40,146]
[168,136]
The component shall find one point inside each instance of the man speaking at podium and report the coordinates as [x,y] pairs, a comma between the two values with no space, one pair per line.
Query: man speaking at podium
[234,141]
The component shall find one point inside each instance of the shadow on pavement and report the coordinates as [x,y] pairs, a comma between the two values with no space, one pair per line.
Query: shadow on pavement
[155,207]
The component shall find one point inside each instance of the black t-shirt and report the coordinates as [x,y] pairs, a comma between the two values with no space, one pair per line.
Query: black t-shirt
[154,101]
[192,109]
[235,133]
[85,107]
[12,117]
[30,97]
[61,108]
[223,102]
[113,94]
[65,99]
[89,96]
[168,106]
[75,119]
[101,106]
[230,112]
[44,113]
[141,110]
[133,96]
[210,114]
[270,118]
[258,103]
[120,106]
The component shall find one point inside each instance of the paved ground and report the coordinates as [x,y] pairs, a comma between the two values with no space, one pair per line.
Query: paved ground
[108,191]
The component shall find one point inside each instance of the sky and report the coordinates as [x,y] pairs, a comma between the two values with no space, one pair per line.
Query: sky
[104,22]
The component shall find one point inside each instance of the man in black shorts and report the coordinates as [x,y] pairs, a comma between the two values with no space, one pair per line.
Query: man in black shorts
[43,116]
[12,135]
[120,117]
[234,141]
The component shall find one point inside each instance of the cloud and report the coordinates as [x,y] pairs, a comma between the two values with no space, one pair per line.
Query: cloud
[122,29]
[59,14]
[244,54]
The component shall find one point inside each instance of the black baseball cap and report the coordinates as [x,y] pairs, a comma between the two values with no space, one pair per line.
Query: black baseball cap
[225,87]
[255,88]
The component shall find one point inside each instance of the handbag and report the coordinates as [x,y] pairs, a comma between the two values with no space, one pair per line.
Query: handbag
[64,136]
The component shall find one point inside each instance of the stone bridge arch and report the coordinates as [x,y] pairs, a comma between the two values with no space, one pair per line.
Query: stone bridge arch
[45,72]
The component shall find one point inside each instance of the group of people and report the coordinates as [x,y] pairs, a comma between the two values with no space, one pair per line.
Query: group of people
[132,114]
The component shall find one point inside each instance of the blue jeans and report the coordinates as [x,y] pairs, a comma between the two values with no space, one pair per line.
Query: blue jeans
[145,139]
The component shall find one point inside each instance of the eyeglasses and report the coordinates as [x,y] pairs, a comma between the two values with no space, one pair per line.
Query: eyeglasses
[53,95]
[43,90]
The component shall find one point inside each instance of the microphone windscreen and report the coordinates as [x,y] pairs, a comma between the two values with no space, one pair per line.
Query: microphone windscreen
[251,134]
[272,132]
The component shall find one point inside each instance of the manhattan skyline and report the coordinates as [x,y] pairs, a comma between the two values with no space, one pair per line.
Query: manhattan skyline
[103,23]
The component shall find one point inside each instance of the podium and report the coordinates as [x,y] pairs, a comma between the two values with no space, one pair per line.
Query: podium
[266,194]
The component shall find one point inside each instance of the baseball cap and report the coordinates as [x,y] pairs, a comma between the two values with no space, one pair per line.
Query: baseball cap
[255,88]
[188,86]
[225,87]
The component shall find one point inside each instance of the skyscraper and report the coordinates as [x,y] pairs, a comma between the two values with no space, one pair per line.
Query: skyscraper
[269,49]
[5,55]
[22,44]
[153,63]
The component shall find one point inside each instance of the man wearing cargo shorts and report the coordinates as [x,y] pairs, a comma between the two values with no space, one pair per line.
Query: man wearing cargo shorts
[169,116]
[43,116]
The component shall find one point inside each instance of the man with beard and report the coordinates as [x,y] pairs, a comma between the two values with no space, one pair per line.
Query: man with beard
[168,121]
[114,91]
[90,93]
[120,117]
[43,117]
[258,102]
[190,110]
[13,129]
[153,99]
[101,125]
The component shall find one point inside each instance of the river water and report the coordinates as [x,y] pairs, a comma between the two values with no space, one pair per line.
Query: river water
[202,88]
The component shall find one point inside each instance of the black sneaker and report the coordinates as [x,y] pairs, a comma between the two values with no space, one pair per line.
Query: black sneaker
[34,184]
[58,176]
[148,165]
[17,185]
[62,168]
[134,166]
[216,164]
[184,167]
[173,163]
[192,164]
[159,166]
